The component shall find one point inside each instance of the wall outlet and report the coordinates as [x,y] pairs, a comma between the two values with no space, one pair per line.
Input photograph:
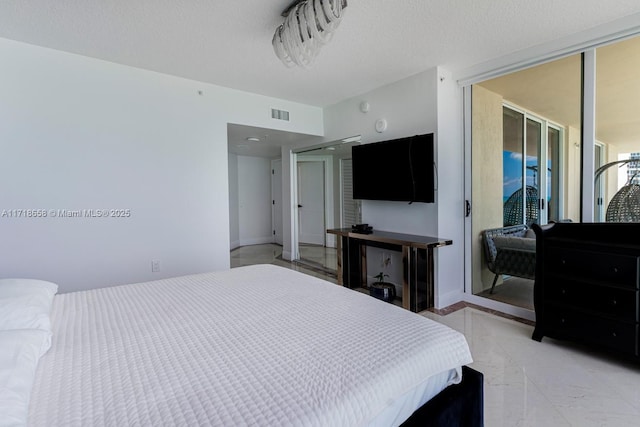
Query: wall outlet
[155,266]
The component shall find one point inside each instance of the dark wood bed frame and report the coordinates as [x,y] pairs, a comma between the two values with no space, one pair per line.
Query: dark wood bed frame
[459,405]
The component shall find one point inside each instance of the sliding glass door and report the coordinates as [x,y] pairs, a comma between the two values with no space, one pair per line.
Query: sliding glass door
[617,187]
[525,161]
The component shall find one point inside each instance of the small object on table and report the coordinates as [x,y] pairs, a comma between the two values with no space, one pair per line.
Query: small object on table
[362,228]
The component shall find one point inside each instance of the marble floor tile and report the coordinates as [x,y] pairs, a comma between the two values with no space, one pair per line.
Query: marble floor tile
[548,383]
[513,290]
[272,254]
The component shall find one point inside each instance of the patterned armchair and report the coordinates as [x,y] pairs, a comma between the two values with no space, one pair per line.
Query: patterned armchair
[510,250]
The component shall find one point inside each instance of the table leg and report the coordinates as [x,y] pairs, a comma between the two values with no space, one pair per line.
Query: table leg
[363,266]
[406,277]
[430,279]
[422,279]
[339,261]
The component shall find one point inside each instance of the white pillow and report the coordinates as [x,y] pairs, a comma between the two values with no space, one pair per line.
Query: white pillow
[17,287]
[26,304]
[21,351]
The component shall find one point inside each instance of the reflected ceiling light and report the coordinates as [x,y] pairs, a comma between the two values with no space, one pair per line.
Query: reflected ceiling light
[351,139]
[253,138]
[308,25]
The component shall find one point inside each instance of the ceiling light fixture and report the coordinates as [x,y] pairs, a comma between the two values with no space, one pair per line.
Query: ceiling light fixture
[308,25]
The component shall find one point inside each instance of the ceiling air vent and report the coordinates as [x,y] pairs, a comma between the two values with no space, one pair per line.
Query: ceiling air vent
[279,114]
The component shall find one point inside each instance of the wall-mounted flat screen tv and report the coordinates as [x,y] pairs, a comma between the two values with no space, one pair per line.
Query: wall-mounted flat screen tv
[396,170]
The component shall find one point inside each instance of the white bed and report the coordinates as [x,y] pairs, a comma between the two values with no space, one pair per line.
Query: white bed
[257,345]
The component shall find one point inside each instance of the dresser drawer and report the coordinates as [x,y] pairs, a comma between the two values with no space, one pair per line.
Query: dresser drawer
[608,268]
[616,303]
[586,328]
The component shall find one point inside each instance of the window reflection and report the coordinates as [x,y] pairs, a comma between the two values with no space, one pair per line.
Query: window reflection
[618,131]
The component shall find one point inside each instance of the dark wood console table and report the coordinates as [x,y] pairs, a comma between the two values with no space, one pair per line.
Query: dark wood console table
[417,262]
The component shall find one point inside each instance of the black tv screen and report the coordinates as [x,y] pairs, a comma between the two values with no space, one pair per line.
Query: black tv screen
[397,170]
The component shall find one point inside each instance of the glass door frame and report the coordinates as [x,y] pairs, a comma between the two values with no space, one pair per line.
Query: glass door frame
[560,168]
[542,150]
[600,158]
[558,49]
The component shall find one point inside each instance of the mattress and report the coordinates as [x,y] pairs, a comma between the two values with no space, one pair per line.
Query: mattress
[256,345]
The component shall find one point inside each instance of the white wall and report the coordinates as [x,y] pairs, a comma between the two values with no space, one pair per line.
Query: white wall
[409,106]
[254,200]
[419,104]
[450,195]
[79,133]
[289,225]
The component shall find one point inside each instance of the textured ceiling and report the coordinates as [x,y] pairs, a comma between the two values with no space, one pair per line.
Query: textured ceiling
[229,42]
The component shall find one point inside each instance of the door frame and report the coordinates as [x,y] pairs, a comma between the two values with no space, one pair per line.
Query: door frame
[468,294]
[276,221]
[599,188]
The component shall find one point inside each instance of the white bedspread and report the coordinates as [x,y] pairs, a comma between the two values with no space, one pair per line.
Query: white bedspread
[258,345]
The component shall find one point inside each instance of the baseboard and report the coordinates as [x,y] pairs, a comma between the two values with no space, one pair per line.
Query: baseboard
[501,307]
[450,298]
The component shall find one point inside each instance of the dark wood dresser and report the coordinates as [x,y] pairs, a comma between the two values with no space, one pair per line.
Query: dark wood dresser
[587,284]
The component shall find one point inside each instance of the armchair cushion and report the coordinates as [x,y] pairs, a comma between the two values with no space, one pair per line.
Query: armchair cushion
[517,243]
[508,251]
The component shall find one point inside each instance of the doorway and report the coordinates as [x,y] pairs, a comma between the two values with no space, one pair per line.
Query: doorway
[311,201]
[314,204]
[525,169]
[323,200]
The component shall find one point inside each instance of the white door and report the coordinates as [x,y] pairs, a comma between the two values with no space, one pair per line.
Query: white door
[311,219]
[276,200]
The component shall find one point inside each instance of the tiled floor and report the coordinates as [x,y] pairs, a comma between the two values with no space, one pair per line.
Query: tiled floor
[319,255]
[548,383]
[527,383]
[514,290]
[272,254]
